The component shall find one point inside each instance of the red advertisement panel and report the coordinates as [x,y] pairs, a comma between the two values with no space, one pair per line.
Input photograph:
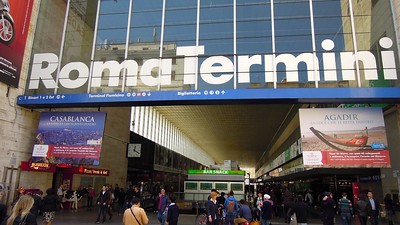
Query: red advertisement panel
[356,191]
[15,16]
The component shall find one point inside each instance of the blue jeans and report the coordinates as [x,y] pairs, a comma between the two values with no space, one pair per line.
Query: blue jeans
[346,218]
[265,222]
[161,217]
[229,219]
[102,210]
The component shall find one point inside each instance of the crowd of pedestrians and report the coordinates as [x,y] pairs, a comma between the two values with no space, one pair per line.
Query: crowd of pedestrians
[299,208]
[221,208]
[27,207]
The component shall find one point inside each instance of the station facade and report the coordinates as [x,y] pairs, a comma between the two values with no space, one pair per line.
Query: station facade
[107,56]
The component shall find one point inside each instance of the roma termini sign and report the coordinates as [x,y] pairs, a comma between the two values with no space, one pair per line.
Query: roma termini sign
[217,72]
[46,64]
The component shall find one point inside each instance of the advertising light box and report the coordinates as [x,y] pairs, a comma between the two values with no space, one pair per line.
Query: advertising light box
[69,138]
[344,138]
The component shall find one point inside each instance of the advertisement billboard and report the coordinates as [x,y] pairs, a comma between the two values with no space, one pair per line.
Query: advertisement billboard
[344,138]
[69,138]
[14,27]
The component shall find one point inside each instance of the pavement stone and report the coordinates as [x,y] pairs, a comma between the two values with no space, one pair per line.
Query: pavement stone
[84,217]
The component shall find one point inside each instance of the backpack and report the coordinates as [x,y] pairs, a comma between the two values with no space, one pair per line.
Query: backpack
[230,208]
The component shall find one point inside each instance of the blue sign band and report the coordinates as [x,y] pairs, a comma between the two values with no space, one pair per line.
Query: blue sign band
[287,95]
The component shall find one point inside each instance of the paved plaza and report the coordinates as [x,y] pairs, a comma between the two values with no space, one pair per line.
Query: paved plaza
[82,216]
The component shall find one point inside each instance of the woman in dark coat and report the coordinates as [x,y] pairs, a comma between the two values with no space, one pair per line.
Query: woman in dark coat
[50,205]
[212,210]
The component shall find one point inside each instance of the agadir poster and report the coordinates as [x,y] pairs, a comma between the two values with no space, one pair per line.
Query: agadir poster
[344,138]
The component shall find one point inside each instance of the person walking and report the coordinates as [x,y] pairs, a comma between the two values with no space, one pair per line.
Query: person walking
[328,209]
[372,209]
[162,201]
[136,191]
[257,205]
[231,208]
[90,197]
[221,199]
[266,210]
[345,209]
[301,209]
[121,201]
[102,203]
[212,209]
[21,212]
[60,194]
[287,202]
[117,191]
[129,196]
[244,214]
[361,207]
[389,208]
[173,212]
[110,201]
[308,198]
[135,215]
[50,204]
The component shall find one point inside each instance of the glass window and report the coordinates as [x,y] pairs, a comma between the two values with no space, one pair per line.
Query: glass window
[216,26]
[144,45]
[253,27]
[330,19]
[191,186]
[293,36]
[236,187]
[221,186]
[110,46]
[254,37]
[205,186]
[179,31]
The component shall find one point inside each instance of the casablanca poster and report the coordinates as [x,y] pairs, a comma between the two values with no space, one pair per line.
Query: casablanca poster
[14,28]
[69,138]
[344,138]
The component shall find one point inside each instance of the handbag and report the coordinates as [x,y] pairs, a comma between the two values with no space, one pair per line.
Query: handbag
[293,219]
[135,217]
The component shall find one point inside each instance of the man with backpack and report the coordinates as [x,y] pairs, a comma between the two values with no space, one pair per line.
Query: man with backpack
[231,209]
[345,209]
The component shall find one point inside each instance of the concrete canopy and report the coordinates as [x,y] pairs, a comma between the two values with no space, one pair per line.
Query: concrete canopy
[244,133]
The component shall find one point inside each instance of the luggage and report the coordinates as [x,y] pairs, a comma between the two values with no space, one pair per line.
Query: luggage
[255,222]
